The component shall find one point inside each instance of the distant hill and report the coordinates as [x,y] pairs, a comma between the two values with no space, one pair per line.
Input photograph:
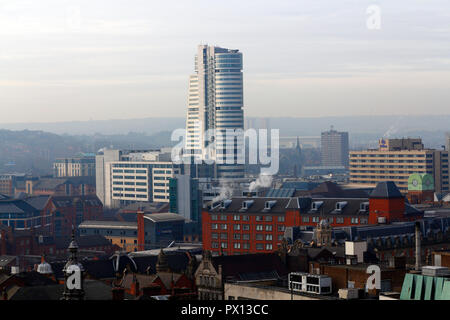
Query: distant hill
[34,151]
[379,125]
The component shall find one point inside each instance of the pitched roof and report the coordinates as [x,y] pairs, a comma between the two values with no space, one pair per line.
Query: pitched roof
[97,269]
[68,201]
[257,206]
[15,206]
[177,262]
[94,290]
[38,202]
[234,265]
[87,241]
[386,190]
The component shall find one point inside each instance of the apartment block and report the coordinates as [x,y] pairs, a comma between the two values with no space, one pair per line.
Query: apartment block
[82,165]
[395,160]
[334,148]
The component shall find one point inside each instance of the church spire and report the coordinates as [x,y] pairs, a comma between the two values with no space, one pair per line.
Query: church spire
[73,273]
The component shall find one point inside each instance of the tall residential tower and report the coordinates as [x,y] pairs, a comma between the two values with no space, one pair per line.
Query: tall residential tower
[334,148]
[215,103]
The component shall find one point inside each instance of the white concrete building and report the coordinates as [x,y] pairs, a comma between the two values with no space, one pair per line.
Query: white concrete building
[215,101]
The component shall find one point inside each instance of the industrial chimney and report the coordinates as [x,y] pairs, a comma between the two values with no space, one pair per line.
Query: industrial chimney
[418,246]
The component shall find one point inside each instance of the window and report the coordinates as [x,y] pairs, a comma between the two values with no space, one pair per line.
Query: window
[268,218]
[281,228]
[237,227]
[259,218]
[224,245]
[259,236]
[246,236]
[259,246]
[339,220]
[214,217]
[224,236]
[281,219]
[237,236]
[305,219]
[268,227]
[237,245]
[214,226]
[268,246]
[236,217]
[268,237]
[215,245]
[245,218]
[223,217]
[259,227]
[223,226]
[214,235]
[245,227]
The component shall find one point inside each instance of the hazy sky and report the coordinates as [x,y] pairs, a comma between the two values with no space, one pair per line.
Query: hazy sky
[66,60]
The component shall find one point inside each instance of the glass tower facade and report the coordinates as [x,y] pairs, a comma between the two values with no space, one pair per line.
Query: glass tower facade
[215,103]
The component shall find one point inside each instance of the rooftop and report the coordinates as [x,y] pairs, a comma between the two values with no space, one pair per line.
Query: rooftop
[108,224]
[163,217]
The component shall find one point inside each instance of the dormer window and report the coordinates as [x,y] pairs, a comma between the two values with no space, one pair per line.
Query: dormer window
[316,205]
[269,205]
[340,205]
[225,203]
[247,204]
[364,206]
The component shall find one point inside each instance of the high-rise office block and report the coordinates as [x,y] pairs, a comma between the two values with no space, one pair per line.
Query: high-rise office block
[215,103]
[82,165]
[334,148]
[396,160]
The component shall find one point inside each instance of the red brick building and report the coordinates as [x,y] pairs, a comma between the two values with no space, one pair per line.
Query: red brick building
[257,225]
[72,210]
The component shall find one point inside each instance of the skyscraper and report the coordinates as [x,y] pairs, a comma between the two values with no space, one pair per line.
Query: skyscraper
[215,103]
[334,148]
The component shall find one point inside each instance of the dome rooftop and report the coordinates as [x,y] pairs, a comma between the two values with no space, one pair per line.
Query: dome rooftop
[44,267]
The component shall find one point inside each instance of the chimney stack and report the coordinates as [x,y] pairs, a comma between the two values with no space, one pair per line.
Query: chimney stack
[418,246]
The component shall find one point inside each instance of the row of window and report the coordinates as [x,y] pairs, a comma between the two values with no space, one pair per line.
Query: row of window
[245,245]
[245,236]
[337,219]
[238,217]
[246,227]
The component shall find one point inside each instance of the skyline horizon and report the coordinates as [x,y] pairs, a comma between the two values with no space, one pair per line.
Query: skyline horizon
[79,62]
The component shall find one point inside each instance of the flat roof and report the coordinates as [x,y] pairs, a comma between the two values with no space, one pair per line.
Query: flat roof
[109,224]
[164,217]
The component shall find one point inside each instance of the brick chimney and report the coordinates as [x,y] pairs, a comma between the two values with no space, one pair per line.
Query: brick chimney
[141,230]
[134,289]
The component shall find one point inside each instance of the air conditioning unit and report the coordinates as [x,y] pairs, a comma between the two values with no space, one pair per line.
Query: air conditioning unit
[309,283]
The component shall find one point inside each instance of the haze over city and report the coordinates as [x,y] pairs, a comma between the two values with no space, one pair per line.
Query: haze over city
[97,60]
